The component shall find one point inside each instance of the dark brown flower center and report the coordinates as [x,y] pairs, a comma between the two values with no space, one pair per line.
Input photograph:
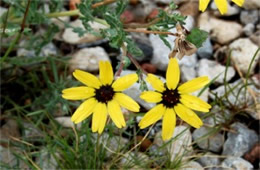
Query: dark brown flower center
[104,94]
[170,98]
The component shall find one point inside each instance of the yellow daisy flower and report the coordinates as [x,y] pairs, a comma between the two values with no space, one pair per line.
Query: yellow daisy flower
[102,96]
[221,4]
[172,99]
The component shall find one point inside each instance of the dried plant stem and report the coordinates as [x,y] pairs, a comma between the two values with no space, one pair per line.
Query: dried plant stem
[150,32]
[137,65]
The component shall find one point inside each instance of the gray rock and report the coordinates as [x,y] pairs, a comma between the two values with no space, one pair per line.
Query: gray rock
[220,30]
[219,116]
[206,51]
[252,4]
[31,131]
[242,56]
[210,160]
[8,156]
[249,16]
[212,142]
[249,29]
[204,96]
[134,91]
[189,61]
[46,160]
[255,38]
[180,146]
[73,38]
[236,163]
[160,51]
[49,50]
[134,160]
[113,143]
[88,59]
[192,165]
[239,96]
[212,69]
[237,144]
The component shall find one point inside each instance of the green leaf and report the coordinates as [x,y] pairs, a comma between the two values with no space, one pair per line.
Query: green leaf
[163,38]
[197,37]
[121,6]
[133,49]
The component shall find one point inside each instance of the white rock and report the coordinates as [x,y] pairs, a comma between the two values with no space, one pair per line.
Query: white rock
[187,73]
[73,38]
[232,9]
[212,69]
[88,59]
[251,4]
[220,30]
[2,11]
[204,95]
[236,163]
[66,122]
[180,146]
[192,165]
[243,51]
[161,51]
[134,91]
[249,16]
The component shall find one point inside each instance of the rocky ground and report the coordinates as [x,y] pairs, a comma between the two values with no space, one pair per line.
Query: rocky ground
[230,135]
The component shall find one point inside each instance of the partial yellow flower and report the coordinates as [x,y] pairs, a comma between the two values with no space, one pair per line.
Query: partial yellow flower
[221,4]
[172,99]
[103,96]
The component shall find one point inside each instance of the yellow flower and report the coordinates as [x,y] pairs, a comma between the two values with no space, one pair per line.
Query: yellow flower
[102,97]
[172,99]
[221,4]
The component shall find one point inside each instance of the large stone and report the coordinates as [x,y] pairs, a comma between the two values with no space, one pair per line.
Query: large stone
[210,160]
[71,37]
[192,165]
[88,59]
[255,38]
[212,69]
[134,160]
[243,51]
[236,163]
[161,52]
[251,4]
[239,96]
[247,17]
[180,146]
[237,144]
[47,160]
[206,140]
[220,30]
[249,29]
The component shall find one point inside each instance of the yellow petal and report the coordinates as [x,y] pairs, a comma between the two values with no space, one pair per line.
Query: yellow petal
[152,116]
[239,2]
[78,93]
[172,74]
[168,124]
[193,85]
[156,83]
[125,82]
[126,102]
[195,103]
[106,74]
[99,117]
[116,114]
[222,6]
[203,5]
[87,78]
[84,110]
[151,96]
[188,116]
